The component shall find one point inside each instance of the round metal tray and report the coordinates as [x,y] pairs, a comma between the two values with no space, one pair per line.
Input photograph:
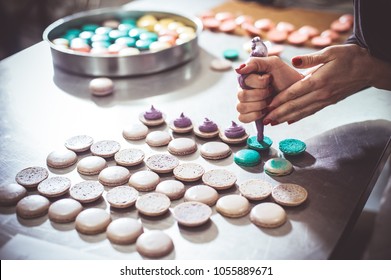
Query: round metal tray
[114,65]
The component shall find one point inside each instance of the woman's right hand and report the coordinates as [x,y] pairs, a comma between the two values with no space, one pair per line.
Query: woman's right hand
[278,76]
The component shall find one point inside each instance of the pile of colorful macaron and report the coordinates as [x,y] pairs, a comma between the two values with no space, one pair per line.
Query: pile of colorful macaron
[128,36]
[277,32]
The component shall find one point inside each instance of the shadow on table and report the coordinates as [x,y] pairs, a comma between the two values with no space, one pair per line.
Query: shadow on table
[187,79]
[344,165]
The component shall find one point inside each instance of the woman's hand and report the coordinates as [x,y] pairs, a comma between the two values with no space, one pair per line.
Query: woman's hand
[278,76]
[343,70]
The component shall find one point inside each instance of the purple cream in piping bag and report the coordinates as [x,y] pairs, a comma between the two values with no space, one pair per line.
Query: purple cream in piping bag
[258,50]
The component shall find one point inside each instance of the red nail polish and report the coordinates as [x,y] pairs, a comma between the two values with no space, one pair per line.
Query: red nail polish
[266,121]
[297,61]
[240,67]
[273,123]
[290,122]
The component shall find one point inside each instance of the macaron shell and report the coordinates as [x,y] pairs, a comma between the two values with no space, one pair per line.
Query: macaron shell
[124,231]
[268,215]
[152,122]
[54,186]
[64,210]
[253,143]
[122,197]
[182,146]
[238,140]
[215,150]
[135,131]
[129,157]
[162,163]
[32,206]
[233,206]
[172,188]
[192,213]
[255,189]
[188,172]
[206,135]
[219,179]
[180,129]
[289,194]
[144,180]
[86,191]
[247,157]
[105,148]
[292,147]
[101,86]
[92,221]
[79,143]
[91,165]
[158,138]
[154,244]
[202,193]
[61,158]
[10,194]
[30,177]
[113,176]
[153,204]
[220,64]
[278,167]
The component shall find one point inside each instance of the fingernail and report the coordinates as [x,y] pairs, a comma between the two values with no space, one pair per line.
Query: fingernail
[290,122]
[297,61]
[273,123]
[240,67]
[266,121]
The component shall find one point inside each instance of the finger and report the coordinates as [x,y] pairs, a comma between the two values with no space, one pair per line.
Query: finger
[258,80]
[310,60]
[249,107]
[303,112]
[251,95]
[250,117]
[299,108]
[257,65]
[296,90]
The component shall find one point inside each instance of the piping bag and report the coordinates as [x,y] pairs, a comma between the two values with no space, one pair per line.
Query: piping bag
[258,49]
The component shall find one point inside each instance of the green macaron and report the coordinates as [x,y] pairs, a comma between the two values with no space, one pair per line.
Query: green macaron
[247,157]
[231,54]
[292,147]
[253,143]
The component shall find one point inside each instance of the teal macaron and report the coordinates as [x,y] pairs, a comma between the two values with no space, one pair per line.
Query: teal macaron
[253,143]
[247,157]
[292,147]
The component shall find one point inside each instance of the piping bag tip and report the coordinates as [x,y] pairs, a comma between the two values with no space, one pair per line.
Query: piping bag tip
[260,127]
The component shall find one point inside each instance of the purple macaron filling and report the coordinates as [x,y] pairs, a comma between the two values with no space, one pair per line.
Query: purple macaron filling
[182,121]
[208,126]
[234,131]
[153,114]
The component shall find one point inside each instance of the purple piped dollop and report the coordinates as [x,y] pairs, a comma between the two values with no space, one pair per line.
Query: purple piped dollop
[182,121]
[153,114]
[234,131]
[208,126]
